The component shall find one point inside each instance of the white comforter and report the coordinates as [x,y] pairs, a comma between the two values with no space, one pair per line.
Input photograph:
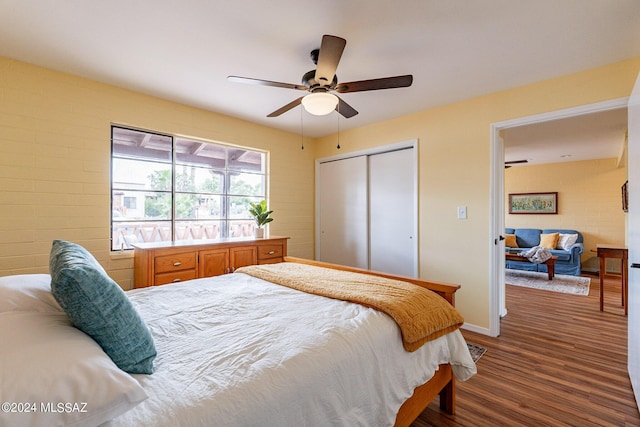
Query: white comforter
[234,350]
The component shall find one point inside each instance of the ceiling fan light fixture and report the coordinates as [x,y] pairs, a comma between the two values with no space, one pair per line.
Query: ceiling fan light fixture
[320,103]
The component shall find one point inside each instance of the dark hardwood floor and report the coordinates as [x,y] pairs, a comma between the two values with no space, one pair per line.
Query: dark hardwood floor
[559,361]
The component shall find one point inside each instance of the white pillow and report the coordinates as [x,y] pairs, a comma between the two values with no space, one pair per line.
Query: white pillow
[27,292]
[565,241]
[64,376]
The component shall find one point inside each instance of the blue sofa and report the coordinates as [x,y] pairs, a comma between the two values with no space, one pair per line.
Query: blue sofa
[568,261]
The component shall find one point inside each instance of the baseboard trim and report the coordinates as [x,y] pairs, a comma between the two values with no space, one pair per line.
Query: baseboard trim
[476,329]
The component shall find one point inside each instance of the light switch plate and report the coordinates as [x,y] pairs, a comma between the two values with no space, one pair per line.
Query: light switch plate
[462,212]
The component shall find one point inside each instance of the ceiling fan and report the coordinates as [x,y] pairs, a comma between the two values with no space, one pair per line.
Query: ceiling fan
[507,165]
[321,82]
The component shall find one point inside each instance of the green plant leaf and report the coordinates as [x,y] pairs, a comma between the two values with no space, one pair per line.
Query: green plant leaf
[260,213]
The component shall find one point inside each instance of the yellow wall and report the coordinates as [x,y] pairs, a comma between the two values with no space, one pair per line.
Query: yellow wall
[454,145]
[589,200]
[55,160]
[54,167]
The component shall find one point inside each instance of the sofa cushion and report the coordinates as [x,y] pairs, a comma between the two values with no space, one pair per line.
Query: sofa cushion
[510,241]
[549,241]
[561,254]
[528,237]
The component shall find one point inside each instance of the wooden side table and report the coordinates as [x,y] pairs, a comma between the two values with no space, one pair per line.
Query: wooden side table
[551,262]
[613,251]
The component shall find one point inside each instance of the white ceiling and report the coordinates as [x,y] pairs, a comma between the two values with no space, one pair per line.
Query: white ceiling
[184,50]
[590,136]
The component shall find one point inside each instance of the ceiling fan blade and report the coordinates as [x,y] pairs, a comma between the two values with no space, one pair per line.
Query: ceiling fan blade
[248,80]
[330,53]
[513,162]
[376,84]
[345,109]
[286,108]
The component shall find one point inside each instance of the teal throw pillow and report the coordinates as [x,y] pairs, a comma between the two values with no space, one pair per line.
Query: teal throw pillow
[99,307]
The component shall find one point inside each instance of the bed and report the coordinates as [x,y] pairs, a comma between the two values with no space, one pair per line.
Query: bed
[232,350]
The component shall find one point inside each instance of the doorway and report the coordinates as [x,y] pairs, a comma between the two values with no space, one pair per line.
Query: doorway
[497,284]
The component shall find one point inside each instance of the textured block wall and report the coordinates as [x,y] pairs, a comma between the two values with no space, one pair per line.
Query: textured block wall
[55,165]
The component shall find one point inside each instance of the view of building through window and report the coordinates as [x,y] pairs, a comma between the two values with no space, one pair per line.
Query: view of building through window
[167,188]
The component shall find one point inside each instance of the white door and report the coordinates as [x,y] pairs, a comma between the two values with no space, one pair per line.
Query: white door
[343,204]
[633,240]
[392,213]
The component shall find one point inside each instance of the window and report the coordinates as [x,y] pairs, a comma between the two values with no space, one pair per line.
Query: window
[130,202]
[166,188]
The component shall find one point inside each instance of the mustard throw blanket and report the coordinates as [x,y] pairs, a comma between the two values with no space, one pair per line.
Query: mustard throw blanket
[421,314]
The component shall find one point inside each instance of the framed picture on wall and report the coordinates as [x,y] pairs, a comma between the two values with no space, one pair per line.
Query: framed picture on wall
[625,197]
[533,203]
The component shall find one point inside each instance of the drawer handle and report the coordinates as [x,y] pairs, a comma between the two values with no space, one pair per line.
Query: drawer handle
[271,252]
[176,280]
[177,264]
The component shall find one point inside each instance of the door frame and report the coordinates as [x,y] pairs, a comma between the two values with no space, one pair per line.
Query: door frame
[412,143]
[633,237]
[497,304]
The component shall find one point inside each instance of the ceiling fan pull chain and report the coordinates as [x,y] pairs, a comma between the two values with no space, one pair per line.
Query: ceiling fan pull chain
[301,129]
[338,109]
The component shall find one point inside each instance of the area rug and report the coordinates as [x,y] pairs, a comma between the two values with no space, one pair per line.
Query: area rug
[476,351]
[561,282]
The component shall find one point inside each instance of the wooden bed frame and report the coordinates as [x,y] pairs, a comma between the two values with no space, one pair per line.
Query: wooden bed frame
[443,382]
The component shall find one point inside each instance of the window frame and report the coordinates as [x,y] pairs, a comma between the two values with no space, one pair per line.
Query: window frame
[225,220]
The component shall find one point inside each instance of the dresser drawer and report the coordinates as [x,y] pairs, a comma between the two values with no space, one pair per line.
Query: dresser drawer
[269,251]
[175,262]
[175,277]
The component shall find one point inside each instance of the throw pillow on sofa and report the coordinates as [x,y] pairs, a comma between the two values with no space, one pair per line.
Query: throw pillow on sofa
[549,241]
[510,241]
[565,241]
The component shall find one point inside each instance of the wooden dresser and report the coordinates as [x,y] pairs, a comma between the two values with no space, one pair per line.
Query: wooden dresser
[170,262]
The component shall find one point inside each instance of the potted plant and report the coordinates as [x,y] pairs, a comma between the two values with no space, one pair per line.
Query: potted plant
[261,215]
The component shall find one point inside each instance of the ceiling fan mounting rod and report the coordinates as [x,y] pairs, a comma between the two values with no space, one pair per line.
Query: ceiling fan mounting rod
[309,80]
[319,89]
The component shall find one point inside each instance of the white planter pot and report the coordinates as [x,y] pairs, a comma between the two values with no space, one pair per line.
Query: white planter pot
[259,233]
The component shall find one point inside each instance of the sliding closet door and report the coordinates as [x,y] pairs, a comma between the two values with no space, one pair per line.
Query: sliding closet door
[392,213]
[343,215]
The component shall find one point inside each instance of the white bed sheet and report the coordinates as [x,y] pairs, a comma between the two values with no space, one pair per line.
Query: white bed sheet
[235,350]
